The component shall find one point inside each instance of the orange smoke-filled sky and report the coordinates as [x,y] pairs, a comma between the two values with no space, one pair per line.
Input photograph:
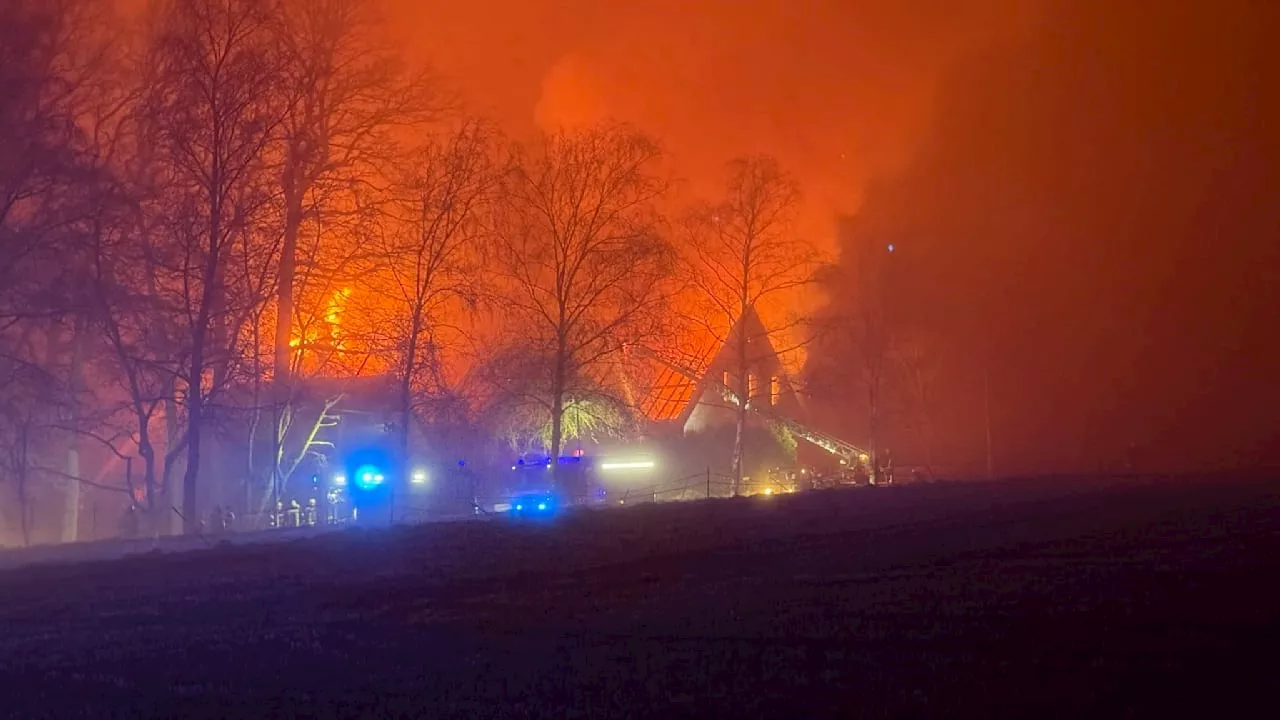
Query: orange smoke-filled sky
[839,90]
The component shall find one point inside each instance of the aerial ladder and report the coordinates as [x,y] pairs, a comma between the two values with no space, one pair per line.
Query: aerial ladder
[850,455]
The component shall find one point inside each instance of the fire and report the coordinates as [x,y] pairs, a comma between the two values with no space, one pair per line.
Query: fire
[333,316]
[327,344]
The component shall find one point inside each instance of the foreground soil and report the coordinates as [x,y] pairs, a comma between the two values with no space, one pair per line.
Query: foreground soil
[1060,598]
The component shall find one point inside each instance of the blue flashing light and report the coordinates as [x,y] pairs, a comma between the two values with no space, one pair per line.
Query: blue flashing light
[534,504]
[368,477]
[545,462]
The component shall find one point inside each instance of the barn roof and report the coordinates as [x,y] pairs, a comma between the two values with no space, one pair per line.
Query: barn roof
[679,375]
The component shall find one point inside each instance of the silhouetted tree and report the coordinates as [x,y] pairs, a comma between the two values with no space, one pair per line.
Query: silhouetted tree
[433,262]
[917,366]
[861,338]
[584,267]
[213,106]
[349,94]
[53,56]
[743,256]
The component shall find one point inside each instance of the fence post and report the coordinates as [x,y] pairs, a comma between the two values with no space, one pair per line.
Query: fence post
[708,482]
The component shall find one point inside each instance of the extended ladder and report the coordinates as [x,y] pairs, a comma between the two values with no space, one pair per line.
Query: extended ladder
[849,454]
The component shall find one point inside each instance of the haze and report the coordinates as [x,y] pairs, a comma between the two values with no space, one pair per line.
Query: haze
[1104,170]
[839,91]
[1009,237]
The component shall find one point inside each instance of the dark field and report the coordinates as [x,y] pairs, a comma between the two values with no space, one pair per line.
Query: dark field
[1154,598]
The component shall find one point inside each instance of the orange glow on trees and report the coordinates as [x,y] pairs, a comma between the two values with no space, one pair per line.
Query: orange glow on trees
[348,94]
[584,267]
[742,258]
[431,266]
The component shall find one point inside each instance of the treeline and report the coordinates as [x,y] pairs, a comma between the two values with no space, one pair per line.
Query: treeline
[207,208]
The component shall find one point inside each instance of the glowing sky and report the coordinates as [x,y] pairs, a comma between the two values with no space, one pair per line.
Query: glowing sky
[839,90]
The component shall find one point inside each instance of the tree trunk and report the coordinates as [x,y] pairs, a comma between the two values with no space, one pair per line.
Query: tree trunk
[195,389]
[738,449]
[195,417]
[255,420]
[281,388]
[744,400]
[284,286]
[148,453]
[406,394]
[557,414]
[24,510]
[873,425]
[71,513]
[170,494]
[280,416]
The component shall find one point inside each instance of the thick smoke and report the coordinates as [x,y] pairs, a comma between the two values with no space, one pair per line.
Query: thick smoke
[839,90]
[1094,211]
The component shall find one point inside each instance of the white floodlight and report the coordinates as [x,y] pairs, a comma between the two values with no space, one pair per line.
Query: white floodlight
[633,465]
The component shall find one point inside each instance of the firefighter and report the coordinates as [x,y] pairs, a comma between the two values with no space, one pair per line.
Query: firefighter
[277,517]
[311,512]
[295,513]
[331,512]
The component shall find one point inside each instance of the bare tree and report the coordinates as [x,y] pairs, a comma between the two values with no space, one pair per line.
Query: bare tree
[433,262]
[744,256]
[863,341]
[349,94]
[872,342]
[585,268]
[918,361]
[213,107]
[45,85]
[46,50]
[53,56]
[26,421]
[143,332]
[349,100]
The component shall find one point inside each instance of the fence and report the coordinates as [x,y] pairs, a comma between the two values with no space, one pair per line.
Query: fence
[404,510]
[701,486]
